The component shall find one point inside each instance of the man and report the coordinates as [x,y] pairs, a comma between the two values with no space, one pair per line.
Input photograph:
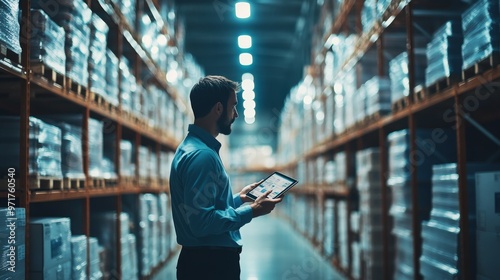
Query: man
[207,216]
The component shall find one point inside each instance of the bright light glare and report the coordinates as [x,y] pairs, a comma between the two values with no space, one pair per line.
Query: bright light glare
[247,76]
[247,85]
[172,76]
[249,104]
[249,113]
[246,59]
[162,40]
[307,100]
[248,94]
[147,41]
[242,10]
[320,116]
[249,120]
[337,87]
[244,41]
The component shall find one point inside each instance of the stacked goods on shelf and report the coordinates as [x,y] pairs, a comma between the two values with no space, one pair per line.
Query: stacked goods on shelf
[310,217]
[108,167]
[329,172]
[106,235]
[10,28]
[350,108]
[328,228]
[144,166]
[95,259]
[47,42]
[148,233]
[369,14]
[444,55]
[128,10]
[71,151]
[359,107]
[12,252]
[150,36]
[96,148]
[481,32]
[343,233]
[45,147]
[289,137]
[79,257]
[329,112]
[355,246]
[370,208]
[50,248]
[165,165]
[440,247]
[112,70]
[341,167]
[97,57]
[378,96]
[398,73]
[74,16]
[431,149]
[382,6]
[163,222]
[488,224]
[128,87]
[127,166]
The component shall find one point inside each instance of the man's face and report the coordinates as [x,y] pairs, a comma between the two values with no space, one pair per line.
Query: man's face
[228,115]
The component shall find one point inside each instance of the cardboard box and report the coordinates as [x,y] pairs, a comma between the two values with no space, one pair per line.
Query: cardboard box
[50,244]
[488,246]
[488,201]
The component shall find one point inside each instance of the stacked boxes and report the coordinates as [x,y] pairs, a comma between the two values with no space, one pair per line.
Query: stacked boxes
[128,86]
[47,42]
[112,70]
[378,95]
[12,243]
[343,233]
[96,148]
[71,151]
[164,225]
[148,235]
[79,257]
[165,165]
[369,14]
[481,31]
[94,259]
[444,55]
[329,225]
[398,73]
[97,58]
[45,147]
[370,208]
[488,224]
[50,248]
[433,147]
[9,27]
[127,166]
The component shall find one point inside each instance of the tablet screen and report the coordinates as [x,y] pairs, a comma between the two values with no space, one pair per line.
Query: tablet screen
[277,182]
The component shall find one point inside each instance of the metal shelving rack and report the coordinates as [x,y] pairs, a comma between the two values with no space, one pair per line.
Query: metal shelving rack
[56,97]
[420,112]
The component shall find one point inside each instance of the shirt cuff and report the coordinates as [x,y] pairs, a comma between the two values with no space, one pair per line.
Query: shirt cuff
[246,213]
[237,200]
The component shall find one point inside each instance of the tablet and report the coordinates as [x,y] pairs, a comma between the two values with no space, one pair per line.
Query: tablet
[278,182]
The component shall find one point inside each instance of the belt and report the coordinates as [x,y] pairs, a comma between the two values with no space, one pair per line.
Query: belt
[212,248]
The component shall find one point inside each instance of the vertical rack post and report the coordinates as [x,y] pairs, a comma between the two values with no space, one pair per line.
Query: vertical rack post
[464,266]
[410,50]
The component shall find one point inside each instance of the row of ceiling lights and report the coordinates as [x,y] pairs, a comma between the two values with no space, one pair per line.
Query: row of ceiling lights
[245,42]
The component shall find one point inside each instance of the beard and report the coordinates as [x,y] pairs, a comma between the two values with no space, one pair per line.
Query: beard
[224,123]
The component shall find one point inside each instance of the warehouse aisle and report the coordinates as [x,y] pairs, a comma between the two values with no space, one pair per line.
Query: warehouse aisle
[274,251]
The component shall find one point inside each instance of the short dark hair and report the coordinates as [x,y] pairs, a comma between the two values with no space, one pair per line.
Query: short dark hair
[208,91]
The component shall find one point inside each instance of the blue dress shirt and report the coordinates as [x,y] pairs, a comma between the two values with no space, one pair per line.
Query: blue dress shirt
[204,210]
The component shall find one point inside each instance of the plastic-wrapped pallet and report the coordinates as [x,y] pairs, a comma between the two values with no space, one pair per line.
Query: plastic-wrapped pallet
[481,31]
[430,150]
[349,86]
[153,165]
[127,167]
[74,16]
[369,14]
[378,96]
[71,151]
[398,73]
[341,166]
[356,260]
[45,147]
[9,26]
[163,219]
[97,58]
[444,55]
[144,162]
[440,244]
[343,233]
[96,147]
[79,257]
[12,255]
[112,70]
[94,260]
[339,115]
[360,103]
[329,224]
[47,42]
[148,233]
[165,165]
[128,85]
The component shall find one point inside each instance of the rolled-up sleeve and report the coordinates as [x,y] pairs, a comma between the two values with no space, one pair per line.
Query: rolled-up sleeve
[202,188]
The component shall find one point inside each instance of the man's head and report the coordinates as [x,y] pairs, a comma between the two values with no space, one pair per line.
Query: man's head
[215,97]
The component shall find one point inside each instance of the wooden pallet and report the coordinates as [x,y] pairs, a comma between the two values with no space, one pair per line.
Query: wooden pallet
[97,183]
[48,74]
[9,56]
[400,104]
[74,183]
[440,86]
[148,183]
[480,67]
[110,183]
[45,183]
[75,88]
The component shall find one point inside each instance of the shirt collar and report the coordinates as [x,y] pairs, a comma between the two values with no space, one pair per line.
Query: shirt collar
[204,136]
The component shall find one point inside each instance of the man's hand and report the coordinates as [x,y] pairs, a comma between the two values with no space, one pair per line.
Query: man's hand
[264,205]
[245,190]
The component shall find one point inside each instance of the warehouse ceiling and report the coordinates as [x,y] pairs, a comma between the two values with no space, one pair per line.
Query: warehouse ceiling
[281,39]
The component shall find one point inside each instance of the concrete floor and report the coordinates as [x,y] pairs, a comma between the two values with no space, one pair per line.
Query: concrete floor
[272,250]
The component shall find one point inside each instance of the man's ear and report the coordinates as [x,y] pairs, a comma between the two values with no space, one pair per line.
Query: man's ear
[219,108]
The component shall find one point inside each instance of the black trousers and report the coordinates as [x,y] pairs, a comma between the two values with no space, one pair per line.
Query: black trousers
[208,264]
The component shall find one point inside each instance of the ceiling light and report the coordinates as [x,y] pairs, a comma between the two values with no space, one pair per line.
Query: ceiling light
[172,76]
[242,10]
[162,40]
[249,120]
[249,113]
[244,41]
[247,85]
[307,100]
[248,94]
[247,76]
[249,104]
[246,59]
